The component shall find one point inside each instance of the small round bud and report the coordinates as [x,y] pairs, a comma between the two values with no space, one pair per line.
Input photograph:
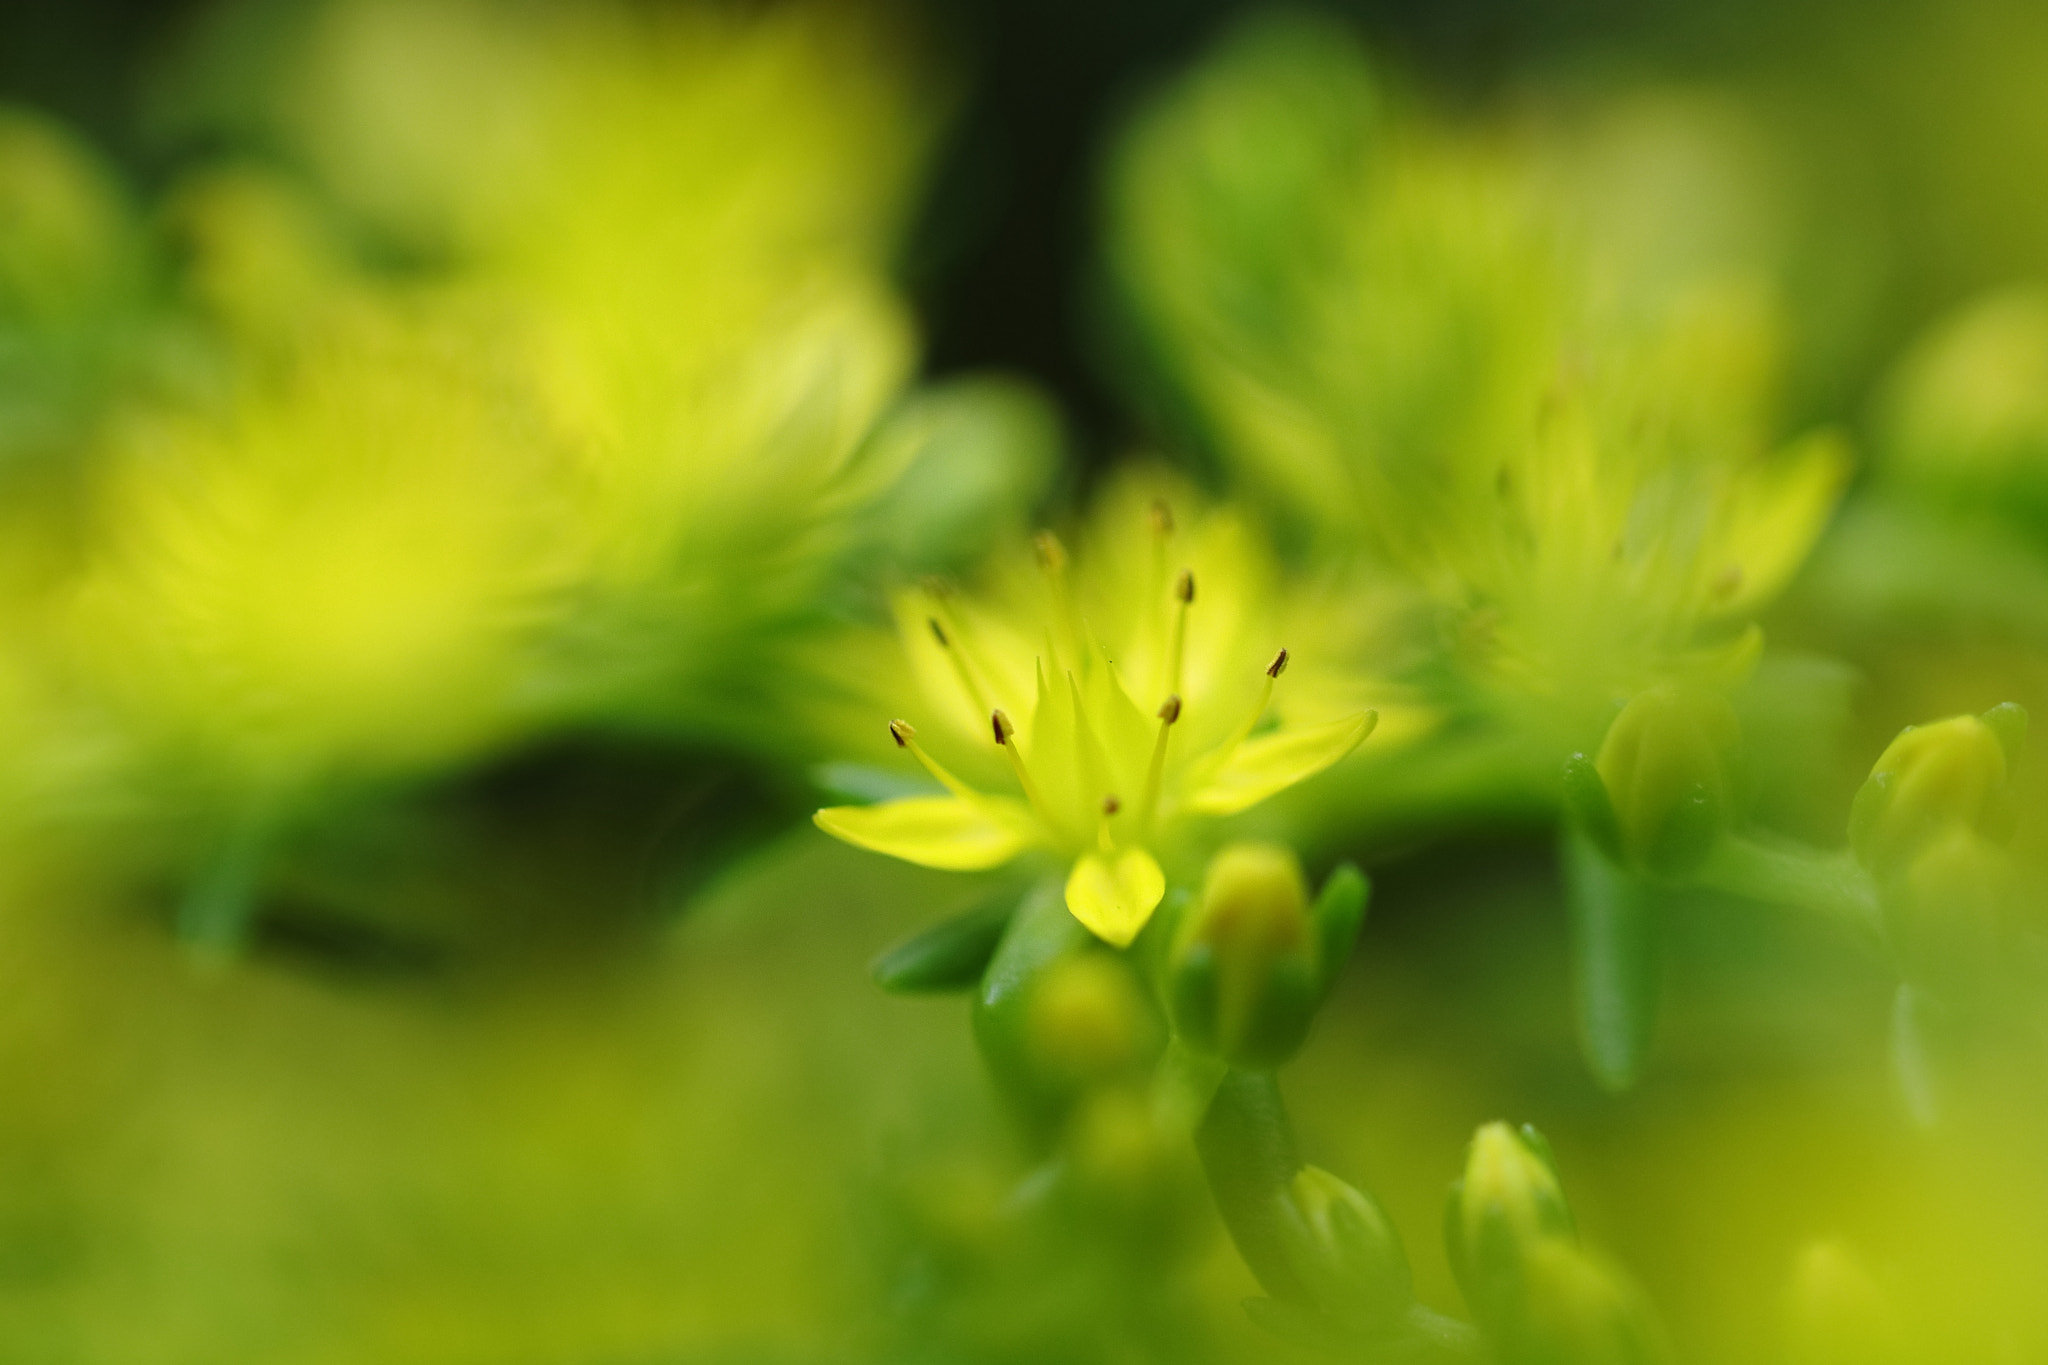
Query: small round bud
[1345,1249]
[1243,969]
[1118,1149]
[1932,776]
[1086,1020]
[1507,1205]
[1664,764]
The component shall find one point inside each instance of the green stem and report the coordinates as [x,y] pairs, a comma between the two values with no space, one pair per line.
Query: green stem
[1795,875]
[219,905]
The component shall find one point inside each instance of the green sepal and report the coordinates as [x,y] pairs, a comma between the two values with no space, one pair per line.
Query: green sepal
[949,956]
[1192,998]
[2008,721]
[1864,811]
[1339,916]
[1279,1025]
[1688,833]
[1533,1138]
[1590,808]
[1617,940]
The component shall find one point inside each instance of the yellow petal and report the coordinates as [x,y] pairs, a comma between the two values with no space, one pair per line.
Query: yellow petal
[932,831]
[1275,762]
[1779,510]
[1114,896]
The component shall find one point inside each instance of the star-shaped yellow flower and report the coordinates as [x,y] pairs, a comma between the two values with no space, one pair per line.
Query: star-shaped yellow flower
[1111,698]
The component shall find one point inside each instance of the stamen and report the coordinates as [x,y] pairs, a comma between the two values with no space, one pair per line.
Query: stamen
[1052,558]
[1103,838]
[954,656]
[1169,712]
[906,738]
[1223,753]
[1005,732]
[1155,589]
[1184,596]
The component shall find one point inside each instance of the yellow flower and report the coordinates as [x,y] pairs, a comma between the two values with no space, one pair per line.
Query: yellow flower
[1413,340]
[1113,696]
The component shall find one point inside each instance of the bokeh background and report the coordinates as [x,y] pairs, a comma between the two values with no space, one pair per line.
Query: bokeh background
[572,1055]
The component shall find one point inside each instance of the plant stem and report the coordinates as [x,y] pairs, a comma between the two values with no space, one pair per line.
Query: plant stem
[1785,872]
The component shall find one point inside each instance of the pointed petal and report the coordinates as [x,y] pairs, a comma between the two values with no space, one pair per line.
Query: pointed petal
[1125,731]
[1275,762]
[1089,759]
[1779,511]
[1114,895]
[932,831]
[1049,749]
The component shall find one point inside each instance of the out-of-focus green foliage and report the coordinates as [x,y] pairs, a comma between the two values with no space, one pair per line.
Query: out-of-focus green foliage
[465,499]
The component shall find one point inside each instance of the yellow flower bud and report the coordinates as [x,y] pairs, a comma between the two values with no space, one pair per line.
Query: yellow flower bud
[1507,1204]
[1251,958]
[1664,764]
[1931,777]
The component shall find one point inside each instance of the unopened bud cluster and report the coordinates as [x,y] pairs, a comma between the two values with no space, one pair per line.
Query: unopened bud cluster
[1252,959]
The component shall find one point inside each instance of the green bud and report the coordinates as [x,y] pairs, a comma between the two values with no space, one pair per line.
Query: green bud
[1086,1021]
[1945,911]
[1245,972]
[1952,772]
[1835,1314]
[1507,1204]
[1345,1250]
[1117,1149]
[1056,1014]
[1664,764]
[1579,1311]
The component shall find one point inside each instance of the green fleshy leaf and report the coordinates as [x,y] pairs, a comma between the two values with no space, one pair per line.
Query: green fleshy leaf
[1616,932]
[950,956]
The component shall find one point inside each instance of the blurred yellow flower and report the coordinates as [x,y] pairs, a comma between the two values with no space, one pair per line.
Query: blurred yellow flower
[1406,337]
